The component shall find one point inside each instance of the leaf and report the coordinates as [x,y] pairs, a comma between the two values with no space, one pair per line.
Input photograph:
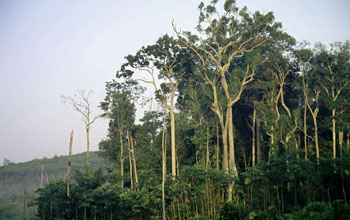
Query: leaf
[347,172]
[228,5]
[247,181]
[200,6]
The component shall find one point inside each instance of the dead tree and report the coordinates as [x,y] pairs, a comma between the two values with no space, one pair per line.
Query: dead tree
[80,103]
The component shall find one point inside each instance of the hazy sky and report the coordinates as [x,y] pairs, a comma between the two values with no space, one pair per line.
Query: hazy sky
[50,48]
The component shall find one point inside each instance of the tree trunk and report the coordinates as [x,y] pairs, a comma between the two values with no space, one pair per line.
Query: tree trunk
[88,146]
[173,150]
[217,147]
[341,139]
[207,150]
[316,141]
[258,138]
[314,118]
[305,131]
[130,160]
[134,159]
[121,156]
[163,167]
[225,166]
[253,137]
[69,162]
[232,162]
[334,134]
[42,176]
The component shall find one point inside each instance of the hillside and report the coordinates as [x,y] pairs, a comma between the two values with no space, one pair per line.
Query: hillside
[18,181]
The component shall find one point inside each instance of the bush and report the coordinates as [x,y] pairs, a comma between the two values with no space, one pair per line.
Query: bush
[270,214]
[313,210]
[231,210]
[341,210]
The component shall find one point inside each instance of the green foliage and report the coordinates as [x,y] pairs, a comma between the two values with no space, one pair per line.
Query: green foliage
[233,211]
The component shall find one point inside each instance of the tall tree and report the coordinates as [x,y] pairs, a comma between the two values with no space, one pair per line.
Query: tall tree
[167,58]
[334,78]
[118,107]
[222,38]
[81,103]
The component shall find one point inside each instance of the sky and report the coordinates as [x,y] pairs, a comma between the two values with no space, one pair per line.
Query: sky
[53,48]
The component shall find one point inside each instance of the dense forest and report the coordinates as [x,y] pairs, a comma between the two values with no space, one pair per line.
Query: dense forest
[244,123]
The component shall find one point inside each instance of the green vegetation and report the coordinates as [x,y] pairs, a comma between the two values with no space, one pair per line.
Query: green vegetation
[18,181]
[249,125]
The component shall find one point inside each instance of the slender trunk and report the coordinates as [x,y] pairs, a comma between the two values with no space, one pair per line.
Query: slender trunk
[69,162]
[42,176]
[88,146]
[316,138]
[207,152]
[232,162]
[134,159]
[130,160]
[217,147]
[341,139]
[121,156]
[258,138]
[334,134]
[253,137]
[173,150]
[163,167]
[305,131]
[272,139]
[225,166]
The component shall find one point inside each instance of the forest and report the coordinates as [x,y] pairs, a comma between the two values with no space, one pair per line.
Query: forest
[243,123]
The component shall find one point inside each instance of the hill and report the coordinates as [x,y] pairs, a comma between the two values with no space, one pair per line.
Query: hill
[18,181]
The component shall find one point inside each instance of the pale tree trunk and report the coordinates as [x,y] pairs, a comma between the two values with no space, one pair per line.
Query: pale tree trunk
[316,138]
[306,105]
[217,147]
[232,163]
[272,142]
[334,134]
[42,176]
[314,118]
[130,160]
[134,159]
[258,138]
[225,165]
[341,139]
[80,103]
[305,131]
[171,108]
[69,162]
[163,167]
[68,173]
[225,147]
[121,156]
[253,137]
[173,150]
[207,150]
[88,146]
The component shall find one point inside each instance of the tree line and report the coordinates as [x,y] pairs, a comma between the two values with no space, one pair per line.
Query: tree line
[249,123]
